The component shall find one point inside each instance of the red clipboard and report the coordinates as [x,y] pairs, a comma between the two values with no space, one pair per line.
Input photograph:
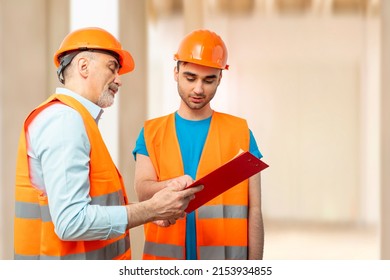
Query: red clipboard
[225,177]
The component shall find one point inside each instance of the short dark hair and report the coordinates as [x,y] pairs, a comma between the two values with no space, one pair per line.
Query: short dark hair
[179,63]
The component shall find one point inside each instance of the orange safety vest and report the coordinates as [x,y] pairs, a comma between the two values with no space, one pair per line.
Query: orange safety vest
[222,223]
[34,235]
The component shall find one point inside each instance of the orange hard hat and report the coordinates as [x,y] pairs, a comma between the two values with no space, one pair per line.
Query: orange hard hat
[203,47]
[94,38]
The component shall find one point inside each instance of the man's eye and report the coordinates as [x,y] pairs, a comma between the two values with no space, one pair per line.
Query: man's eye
[190,79]
[209,81]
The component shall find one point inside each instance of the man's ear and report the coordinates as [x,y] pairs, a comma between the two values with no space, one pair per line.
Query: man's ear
[220,77]
[83,66]
[176,73]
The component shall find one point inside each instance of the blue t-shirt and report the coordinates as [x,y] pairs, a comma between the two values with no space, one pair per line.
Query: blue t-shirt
[191,137]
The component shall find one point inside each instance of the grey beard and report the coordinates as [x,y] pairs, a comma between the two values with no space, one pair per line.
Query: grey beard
[105,100]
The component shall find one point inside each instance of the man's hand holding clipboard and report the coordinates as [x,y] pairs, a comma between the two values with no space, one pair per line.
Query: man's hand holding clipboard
[225,177]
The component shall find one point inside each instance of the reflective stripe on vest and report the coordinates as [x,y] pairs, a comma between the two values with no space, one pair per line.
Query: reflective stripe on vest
[164,250]
[223,252]
[223,211]
[28,210]
[217,218]
[106,253]
[34,234]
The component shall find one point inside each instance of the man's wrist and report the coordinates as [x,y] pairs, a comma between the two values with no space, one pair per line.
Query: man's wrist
[138,214]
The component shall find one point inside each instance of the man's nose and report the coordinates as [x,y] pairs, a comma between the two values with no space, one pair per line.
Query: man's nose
[118,80]
[198,87]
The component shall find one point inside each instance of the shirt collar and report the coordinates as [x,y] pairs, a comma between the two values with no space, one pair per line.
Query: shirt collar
[92,108]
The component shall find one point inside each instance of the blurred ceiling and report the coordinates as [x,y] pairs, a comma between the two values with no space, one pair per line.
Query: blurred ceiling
[158,8]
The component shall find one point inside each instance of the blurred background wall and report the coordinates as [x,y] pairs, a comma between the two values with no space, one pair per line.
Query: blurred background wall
[306,74]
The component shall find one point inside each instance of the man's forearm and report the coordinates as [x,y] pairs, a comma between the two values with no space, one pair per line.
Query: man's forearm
[147,188]
[255,219]
[255,235]
[138,214]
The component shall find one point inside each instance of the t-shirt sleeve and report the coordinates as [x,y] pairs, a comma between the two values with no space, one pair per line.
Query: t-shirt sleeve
[253,148]
[140,146]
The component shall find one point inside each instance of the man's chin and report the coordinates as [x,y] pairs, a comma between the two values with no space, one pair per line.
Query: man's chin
[106,102]
[104,105]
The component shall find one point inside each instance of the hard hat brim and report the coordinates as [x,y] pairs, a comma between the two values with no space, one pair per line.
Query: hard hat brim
[127,62]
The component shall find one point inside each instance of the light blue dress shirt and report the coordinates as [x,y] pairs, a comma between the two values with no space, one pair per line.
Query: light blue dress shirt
[58,150]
